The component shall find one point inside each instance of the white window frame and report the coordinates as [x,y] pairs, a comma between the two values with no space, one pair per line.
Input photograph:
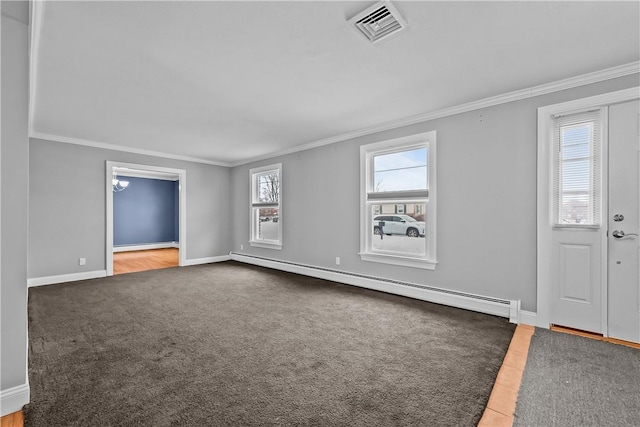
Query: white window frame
[255,204]
[590,115]
[367,153]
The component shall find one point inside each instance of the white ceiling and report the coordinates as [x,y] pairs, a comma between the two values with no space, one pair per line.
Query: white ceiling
[233,81]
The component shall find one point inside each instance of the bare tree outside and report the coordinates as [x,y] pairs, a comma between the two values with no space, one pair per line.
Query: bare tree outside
[269,187]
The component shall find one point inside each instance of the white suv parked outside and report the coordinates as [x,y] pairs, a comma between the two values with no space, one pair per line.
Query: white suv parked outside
[398,224]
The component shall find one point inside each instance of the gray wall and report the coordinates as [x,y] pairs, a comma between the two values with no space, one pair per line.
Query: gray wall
[486,233]
[14,166]
[67,206]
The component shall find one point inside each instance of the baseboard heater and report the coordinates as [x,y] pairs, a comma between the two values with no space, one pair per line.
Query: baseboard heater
[479,303]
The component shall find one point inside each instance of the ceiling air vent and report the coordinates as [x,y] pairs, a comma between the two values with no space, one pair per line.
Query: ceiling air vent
[379,21]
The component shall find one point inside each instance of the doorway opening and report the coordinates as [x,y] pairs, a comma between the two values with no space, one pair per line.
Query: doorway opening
[146,221]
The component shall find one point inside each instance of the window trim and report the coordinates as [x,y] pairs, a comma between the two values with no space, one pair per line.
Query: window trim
[256,204]
[367,152]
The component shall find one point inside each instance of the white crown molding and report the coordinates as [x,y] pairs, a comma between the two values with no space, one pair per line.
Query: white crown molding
[569,83]
[106,146]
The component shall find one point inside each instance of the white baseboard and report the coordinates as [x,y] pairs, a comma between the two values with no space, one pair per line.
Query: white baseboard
[13,399]
[146,246]
[527,318]
[50,280]
[209,260]
[488,305]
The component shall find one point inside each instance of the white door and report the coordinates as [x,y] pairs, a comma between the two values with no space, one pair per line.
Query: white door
[588,277]
[577,232]
[624,222]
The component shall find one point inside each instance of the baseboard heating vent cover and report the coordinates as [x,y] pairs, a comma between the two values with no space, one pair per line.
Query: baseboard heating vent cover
[379,22]
[480,303]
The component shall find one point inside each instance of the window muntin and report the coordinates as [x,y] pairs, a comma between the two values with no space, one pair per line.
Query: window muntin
[577,169]
[398,189]
[266,199]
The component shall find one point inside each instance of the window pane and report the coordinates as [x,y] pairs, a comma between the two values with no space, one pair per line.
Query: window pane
[268,187]
[576,174]
[268,223]
[398,233]
[575,151]
[401,171]
[575,208]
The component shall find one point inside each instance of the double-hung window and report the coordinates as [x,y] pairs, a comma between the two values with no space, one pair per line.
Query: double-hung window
[577,169]
[398,201]
[266,201]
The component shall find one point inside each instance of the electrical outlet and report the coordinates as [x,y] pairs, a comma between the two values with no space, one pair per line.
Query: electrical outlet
[82,261]
[242,247]
[337,260]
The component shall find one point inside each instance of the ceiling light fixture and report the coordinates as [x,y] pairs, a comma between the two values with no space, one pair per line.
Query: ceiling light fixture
[118,185]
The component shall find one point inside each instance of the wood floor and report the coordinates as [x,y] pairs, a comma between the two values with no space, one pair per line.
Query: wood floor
[153,259]
[12,420]
[593,336]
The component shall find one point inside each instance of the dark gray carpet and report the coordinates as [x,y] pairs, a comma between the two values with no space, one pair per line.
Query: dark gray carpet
[575,381]
[231,344]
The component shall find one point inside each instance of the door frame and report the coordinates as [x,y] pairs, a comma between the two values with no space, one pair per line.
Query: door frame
[182,188]
[545,192]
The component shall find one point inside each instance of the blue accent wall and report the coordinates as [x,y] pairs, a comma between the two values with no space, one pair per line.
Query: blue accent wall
[146,212]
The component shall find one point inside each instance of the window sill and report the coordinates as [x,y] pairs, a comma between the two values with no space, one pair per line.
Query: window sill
[266,244]
[424,264]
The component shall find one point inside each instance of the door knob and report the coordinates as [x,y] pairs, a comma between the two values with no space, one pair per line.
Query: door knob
[619,234]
